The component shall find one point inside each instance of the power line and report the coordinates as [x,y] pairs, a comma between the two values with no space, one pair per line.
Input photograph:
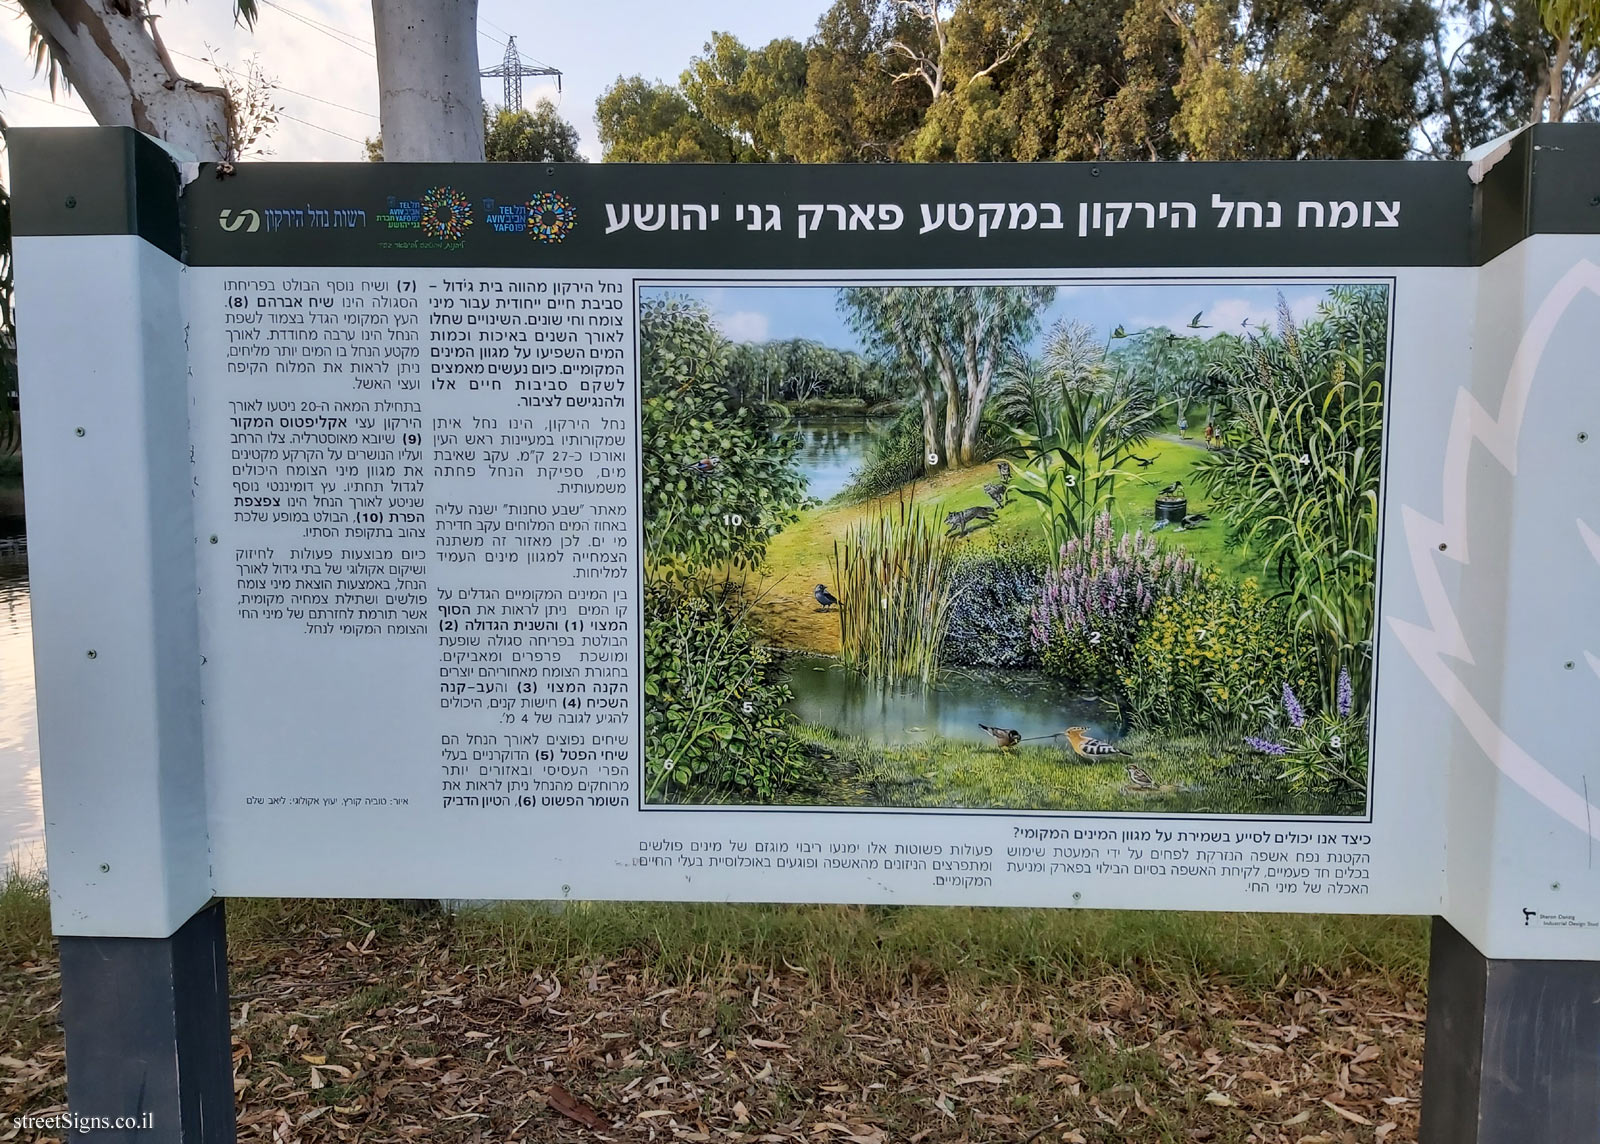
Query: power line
[319,127]
[334,34]
[274,85]
[40,100]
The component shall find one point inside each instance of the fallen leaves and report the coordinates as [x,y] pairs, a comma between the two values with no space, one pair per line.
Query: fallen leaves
[369,1029]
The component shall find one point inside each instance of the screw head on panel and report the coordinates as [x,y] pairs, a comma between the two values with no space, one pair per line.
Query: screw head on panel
[105,867]
[213,538]
[72,201]
[93,654]
[1568,665]
[78,432]
[1582,437]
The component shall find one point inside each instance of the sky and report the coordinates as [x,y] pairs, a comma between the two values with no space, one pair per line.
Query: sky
[767,313]
[323,49]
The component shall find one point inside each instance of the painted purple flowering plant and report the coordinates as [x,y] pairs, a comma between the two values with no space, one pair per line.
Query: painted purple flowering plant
[1323,753]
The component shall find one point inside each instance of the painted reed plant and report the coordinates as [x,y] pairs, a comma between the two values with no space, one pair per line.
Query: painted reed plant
[1096,599]
[892,577]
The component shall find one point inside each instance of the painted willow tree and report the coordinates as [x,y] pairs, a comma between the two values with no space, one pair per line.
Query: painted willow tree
[111,53]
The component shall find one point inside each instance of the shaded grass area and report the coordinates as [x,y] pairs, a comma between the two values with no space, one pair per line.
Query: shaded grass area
[799,557]
[1193,775]
[363,1020]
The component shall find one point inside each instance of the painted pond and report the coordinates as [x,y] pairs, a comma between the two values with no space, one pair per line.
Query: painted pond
[831,695]
[831,450]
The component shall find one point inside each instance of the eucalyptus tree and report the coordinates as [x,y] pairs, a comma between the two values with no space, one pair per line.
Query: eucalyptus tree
[111,52]
[951,341]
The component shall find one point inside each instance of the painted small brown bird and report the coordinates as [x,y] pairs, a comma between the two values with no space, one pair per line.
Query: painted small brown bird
[1003,735]
[1137,779]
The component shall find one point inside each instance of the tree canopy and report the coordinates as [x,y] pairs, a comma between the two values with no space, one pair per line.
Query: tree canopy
[989,80]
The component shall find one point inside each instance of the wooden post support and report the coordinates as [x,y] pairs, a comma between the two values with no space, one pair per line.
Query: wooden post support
[147,1034]
[1513,1052]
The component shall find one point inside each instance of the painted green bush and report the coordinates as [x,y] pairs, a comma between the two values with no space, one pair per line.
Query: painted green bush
[715,725]
[718,482]
[1214,659]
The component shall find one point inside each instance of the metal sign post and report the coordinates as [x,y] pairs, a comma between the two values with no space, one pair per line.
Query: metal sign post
[353,492]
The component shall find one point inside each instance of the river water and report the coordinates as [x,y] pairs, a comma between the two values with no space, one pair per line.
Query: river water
[831,450]
[833,696]
[21,809]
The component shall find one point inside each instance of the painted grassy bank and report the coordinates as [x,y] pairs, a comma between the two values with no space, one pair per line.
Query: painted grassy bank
[1125,569]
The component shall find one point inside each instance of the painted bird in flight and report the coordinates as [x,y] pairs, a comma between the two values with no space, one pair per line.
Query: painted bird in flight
[1137,779]
[1194,322]
[1086,746]
[824,597]
[1005,736]
[1143,462]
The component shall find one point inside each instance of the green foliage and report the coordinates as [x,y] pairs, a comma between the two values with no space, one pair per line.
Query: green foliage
[1042,80]
[800,369]
[645,122]
[749,490]
[1297,478]
[891,575]
[953,342]
[1073,421]
[993,593]
[896,458]
[517,135]
[1213,659]
[715,724]
[1321,754]
[1509,62]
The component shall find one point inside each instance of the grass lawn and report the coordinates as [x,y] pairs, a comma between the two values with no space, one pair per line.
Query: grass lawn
[1194,775]
[800,557]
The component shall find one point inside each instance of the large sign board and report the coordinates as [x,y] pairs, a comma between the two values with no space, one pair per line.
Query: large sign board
[1058,535]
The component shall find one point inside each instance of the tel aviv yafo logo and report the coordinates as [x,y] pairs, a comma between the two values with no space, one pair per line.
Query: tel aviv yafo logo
[1429,541]
[231,220]
[546,216]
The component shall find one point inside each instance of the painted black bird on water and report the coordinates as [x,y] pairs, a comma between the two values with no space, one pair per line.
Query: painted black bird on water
[824,597]
[1003,735]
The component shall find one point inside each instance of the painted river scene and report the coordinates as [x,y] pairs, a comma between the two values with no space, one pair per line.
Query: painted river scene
[1098,547]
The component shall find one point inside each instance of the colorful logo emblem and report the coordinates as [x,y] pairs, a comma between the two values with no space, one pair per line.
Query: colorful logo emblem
[550,217]
[446,213]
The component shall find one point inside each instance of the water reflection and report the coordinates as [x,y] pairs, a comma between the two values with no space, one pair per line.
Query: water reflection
[831,450]
[21,807]
[1034,704]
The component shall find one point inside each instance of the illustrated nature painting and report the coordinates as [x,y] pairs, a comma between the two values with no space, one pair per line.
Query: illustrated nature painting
[1080,547]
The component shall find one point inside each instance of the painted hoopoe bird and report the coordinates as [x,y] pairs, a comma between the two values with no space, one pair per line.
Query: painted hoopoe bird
[1086,746]
[1003,735]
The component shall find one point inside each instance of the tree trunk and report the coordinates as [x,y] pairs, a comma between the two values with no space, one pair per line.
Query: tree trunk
[126,79]
[930,410]
[430,103]
[946,366]
[983,375]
